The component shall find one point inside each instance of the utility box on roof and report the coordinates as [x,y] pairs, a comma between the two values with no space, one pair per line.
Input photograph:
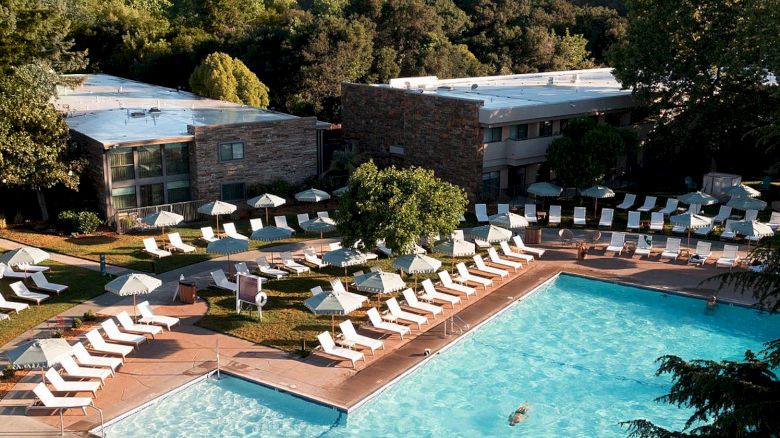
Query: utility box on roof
[714,183]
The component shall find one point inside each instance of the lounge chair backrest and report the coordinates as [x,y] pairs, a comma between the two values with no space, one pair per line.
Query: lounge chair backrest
[326,342]
[703,248]
[694,208]
[409,296]
[19,288]
[727,227]
[427,286]
[478,261]
[629,198]
[302,217]
[503,208]
[80,352]
[44,395]
[316,290]
[463,270]
[645,242]
[579,212]
[505,247]
[207,232]
[357,274]
[39,279]
[175,239]
[241,268]
[633,219]
[375,269]
[323,215]
[95,339]
[69,365]
[309,251]
[146,310]
[530,209]
[458,235]
[672,244]
[618,239]
[256,224]
[650,201]
[445,278]
[724,211]
[54,377]
[751,215]
[606,215]
[218,276]
[657,217]
[336,285]
[230,228]
[730,251]
[347,328]
[555,211]
[373,317]
[775,218]
[150,244]
[480,209]
[110,327]
[492,253]
[672,203]
[334,246]
[286,256]
[281,221]
[392,306]
[124,319]
[263,262]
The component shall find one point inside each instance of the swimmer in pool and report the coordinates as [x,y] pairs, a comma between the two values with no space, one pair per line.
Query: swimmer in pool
[519,414]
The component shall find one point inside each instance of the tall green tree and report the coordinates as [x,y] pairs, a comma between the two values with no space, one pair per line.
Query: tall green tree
[400,205]
[221,77]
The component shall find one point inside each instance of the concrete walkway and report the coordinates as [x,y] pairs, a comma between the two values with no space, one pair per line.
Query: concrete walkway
[8,245]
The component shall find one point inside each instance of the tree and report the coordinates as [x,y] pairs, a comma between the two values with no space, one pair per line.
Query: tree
[221,77]
[399,205]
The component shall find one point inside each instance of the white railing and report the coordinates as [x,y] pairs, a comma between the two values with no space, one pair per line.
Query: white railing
[130,218]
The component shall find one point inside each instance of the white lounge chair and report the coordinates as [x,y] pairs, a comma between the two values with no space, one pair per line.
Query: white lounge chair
[221,281]
[633,221]
[376,321]
[115,335]
[703,231]
[723,214]
[729,257]
[656,221]
[291,264]
[554,216]
[382,248]
[447,283]
[516,255]
[323,215]
[671,206]
[530,213]
[131,327]
[74,370]
[334,246]
[20,290]
[397,314]
[480,210]
[48,400]
[579,216]
[84,358]
[414,303]
[672,250]
[11,305]
[774,220]
[430,294]
[281,222]
[330,347]
[266,269]
[607,215]
[149,317]
[628,201]
[502,208]
[644,245]
[99,344]
[302,217]
[465,277]
[616,243]
[176,242]
[694,208]
[482,267]
[255,224]
[702,253]
[648,205]
[230,231]
[60,385]
[481,244]
[207,235]
[350,337]
[242,268]
[7,272]
[751,215]
[493,257]
[4,317]
[30,269]
[310,256]
[728,232]
[150,247]
[518,241]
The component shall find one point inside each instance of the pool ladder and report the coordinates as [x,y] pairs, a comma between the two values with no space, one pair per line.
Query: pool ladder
[454,325]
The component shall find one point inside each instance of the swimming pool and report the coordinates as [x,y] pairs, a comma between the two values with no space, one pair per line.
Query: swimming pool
[581,352]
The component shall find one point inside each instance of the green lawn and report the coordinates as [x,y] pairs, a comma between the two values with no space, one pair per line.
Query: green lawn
[84,285]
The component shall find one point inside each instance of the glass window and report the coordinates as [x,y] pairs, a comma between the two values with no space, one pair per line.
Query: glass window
[546,128]
[231,151]
[490,184]
[121,163]
[492,135]
[518,132]
[233,192]
[123,197]
[152,194]
[178,191]
[149,161]
[177,159]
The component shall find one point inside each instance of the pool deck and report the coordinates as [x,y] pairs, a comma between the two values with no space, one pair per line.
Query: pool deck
[188,352]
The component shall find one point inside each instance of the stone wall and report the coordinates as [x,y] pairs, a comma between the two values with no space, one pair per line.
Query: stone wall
[436,132]
[273,150]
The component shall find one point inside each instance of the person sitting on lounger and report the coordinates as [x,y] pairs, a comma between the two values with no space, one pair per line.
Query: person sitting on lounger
[519,414]
[712,302]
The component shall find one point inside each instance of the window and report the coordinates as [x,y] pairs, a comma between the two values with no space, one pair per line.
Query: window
[123,197]
[178,191]
[233,192]
[152,194]
[518,132]
[492,135]
[121,163]
[231,151]
[177,159]
[149,161]
[490,184]
[546,128]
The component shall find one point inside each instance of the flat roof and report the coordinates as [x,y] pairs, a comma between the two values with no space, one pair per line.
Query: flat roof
[114,110]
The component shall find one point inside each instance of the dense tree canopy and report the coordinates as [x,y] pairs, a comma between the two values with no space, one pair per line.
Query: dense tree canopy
[221,77]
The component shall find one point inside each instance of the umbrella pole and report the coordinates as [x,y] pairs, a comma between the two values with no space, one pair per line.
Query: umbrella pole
[266,216]
[346,280]
[689,238]
[333,324]
[134,315]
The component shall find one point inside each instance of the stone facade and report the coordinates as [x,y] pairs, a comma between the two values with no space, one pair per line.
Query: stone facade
[435,132]
[273,150]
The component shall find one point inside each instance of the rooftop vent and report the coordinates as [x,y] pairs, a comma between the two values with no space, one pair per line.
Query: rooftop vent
[551,82]
[445,88]
[474,86]
[154,109]
[575,79]
[137,114]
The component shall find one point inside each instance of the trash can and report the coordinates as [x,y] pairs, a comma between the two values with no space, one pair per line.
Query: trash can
[187,292]
[533,235]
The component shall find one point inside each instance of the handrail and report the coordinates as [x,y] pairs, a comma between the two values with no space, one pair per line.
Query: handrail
[102,422]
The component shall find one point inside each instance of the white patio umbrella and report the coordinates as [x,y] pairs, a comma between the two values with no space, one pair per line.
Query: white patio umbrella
[753,229]
[266,200]
[334,303]
[455,248]
[133,284]
[39,354]
[597,192]
[379,283]
[312,195]
[341,191]
[26,255]
[216,208]
[741,191]
[746,204]
[162,219]
[227,246]
[700,198]
[321,224]
[270,234]
[690,221]
[508,220]
[344,258]
[489,233]
[416,264]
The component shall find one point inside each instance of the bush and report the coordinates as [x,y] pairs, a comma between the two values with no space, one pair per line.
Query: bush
[77,323]
[18,218]
[9,372]
[89,315]
[58,334]
[84,222]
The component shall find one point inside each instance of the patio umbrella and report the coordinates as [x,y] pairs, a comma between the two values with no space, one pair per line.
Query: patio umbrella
[343,258]
[700,198]
[455,248]
[690,221]
[341,192]
[228,246]
[416,264]
[216,208]
[597,192]
[39,354]
[133,284]
[741,191]
[162,219]
[753,229]
[26,255]
[270,234]
[489,233]
[379,283]
[312,195]
[334,303]
[746,204]
[266,200]
[544,189]
[321,224]
[508,220]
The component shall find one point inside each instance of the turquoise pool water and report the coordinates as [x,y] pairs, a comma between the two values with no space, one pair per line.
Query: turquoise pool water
[580,352]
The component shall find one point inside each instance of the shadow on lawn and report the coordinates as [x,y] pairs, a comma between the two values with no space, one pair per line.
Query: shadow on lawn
[91,240]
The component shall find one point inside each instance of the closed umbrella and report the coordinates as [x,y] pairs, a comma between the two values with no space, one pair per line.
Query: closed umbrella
[343,258]
[228,246]
[597,192]
[699,198]
[26,255]
[456,248]
[334,303]
[162,219]
[39,354]
[270,234]
[216,208]
[266,200]
[133,284]
[690,221]
[341,192]
[416,264]
[741,191]
[312,195]
[753,229]
[544,189]
[321,224]
[508,220]
[380,283]
[746,204]
[489,233]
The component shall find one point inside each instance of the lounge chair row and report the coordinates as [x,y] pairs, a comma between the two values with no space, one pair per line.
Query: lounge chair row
[703,252]
[20,291]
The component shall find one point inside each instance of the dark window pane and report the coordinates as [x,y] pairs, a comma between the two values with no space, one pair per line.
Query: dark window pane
[231,151]
[123,197]
[490,184]
[152,194]
[149,161]
[177,159]
[179,191]
[545,129]
[233,192]
[519,132]
[121,163]
[492,135]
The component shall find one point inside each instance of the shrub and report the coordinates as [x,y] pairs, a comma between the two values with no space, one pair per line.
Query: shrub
[58,334]
[89,315]
[18,218]
[9,372]
[77,323]
[84,222]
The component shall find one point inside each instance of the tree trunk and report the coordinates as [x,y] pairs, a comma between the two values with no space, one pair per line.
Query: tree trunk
[42,204]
